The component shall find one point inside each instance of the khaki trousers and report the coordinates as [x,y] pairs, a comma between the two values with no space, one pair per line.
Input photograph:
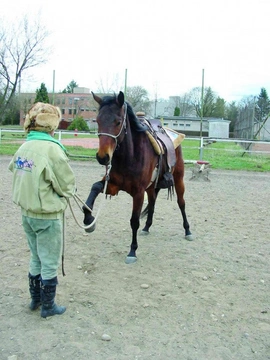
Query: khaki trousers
[44,238]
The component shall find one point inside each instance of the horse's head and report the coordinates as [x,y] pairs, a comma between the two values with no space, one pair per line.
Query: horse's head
[111,121]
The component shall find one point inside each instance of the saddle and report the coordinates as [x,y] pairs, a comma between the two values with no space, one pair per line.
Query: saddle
[164,141]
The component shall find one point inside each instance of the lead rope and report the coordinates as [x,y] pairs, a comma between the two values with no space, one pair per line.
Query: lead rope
[63,243]
[78,200]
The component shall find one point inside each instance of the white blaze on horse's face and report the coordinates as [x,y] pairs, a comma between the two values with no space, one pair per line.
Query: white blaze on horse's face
[106,149]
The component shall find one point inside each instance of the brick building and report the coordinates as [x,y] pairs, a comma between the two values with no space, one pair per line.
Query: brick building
[79,103]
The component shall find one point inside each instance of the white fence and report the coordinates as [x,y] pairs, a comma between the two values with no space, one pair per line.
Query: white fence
[248,146]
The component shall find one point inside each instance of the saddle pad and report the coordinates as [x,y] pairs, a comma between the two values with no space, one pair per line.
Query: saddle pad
[175,136]
[156,145]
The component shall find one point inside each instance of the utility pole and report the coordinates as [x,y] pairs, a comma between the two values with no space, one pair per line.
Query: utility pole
[125,91]
[202,91]
[53,87]
[201,124]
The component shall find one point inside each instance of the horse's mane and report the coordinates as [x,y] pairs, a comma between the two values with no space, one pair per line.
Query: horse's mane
[130,112]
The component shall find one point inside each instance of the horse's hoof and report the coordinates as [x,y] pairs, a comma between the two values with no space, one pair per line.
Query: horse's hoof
[189,237]
[144,232]
[130,259]
[90,229]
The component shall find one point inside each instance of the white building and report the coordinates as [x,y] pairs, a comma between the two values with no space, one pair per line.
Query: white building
[218,128]
[194,126]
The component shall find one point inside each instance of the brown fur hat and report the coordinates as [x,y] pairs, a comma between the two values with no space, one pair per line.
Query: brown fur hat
[42,117]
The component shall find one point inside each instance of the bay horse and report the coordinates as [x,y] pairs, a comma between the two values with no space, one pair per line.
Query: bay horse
[125,149]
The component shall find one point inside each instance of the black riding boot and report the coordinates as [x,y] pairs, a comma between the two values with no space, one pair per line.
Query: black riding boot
[48,290]
[34,289]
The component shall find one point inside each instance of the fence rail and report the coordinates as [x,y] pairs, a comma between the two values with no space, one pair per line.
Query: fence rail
[248,146]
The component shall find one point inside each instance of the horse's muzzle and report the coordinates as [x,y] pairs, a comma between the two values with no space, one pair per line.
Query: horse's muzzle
[103,160]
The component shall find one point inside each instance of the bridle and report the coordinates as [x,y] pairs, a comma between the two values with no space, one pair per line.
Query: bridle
[115,137]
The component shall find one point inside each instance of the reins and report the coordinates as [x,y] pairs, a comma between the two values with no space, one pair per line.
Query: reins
[80,202]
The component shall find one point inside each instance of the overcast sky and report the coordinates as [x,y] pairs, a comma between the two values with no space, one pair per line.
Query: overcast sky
[164,45]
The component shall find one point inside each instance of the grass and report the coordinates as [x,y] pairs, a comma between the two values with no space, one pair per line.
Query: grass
[10,142]
[227,156]
[221,155]
[78,152]
[18,132]
[74,152]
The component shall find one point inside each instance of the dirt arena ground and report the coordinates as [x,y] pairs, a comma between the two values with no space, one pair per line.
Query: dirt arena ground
[202,300]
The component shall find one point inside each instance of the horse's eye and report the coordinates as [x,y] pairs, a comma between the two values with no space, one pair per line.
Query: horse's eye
[118,123]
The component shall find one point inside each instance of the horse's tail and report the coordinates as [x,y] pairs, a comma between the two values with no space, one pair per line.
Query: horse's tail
[144,212]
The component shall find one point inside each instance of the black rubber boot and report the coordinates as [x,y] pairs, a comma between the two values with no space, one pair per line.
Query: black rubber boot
[49,307]
[34,289]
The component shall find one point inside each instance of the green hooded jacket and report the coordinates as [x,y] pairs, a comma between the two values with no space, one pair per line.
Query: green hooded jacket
[42,177]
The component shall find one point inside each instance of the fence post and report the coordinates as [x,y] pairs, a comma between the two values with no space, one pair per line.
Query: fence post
[59,136]
[201,149]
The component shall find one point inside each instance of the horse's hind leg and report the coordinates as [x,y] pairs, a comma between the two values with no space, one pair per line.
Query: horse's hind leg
[180,189]
[149,210]
[96,189]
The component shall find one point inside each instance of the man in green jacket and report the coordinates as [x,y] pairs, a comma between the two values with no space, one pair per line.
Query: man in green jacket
[42,182]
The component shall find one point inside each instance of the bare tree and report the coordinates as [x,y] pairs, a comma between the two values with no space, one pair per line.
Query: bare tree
[138,98]
[183,102]
[22,46]
[209,101]
[109,84]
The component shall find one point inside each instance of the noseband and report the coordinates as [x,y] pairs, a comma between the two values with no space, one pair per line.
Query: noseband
[122,127]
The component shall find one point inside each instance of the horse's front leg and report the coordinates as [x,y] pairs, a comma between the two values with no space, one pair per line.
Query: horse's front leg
[135,224]
[96,189]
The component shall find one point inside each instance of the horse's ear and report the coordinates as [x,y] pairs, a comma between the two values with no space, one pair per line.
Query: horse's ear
[120,99]
[97,98]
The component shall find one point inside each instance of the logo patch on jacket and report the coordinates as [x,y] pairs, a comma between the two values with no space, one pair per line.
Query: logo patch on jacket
[24,164]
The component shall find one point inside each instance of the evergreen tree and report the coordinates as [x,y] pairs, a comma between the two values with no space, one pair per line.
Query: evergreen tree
[42,94]
[262,105]
[176,111]
[219,109]
[70,87]
[209,102]
[232,114]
